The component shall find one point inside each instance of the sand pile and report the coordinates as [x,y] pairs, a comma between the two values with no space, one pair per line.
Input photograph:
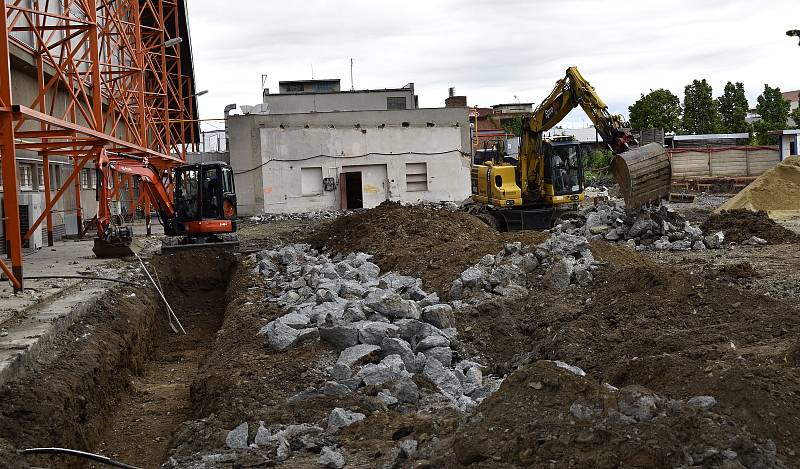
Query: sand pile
[777,190]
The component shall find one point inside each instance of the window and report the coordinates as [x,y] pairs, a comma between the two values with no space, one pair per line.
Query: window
[85,179]
[396,102]
[55,177]
[311,181]
[26,177]
[324,87]
[416,177]
[40,173]
[93,178]
[294,88]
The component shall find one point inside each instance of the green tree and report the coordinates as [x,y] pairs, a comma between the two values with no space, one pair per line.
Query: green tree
[733,109]
[514,126]
[795,115]
[659,109]
[700,113]
[774,112]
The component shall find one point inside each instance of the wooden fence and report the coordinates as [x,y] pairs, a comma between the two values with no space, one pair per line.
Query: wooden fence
[722,162]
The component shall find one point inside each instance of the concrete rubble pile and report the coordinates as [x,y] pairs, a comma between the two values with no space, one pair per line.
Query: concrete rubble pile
[386,328]
[561,261]
[660,229]
[304,216]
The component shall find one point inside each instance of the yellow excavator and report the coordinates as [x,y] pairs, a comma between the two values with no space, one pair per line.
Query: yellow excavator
[547,179]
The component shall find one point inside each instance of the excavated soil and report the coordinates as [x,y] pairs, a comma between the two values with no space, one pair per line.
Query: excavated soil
[678,334]
[64,400]
[117,381]
[739,225]
[434,245]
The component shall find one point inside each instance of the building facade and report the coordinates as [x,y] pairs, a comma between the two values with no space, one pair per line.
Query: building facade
[304,162]
[308,96]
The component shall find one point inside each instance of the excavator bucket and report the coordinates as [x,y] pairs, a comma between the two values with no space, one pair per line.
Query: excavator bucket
[644,175]
[116,248]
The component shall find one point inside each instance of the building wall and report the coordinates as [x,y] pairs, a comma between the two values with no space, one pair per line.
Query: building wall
[327,102]
[788,143]
[722,162]
[277,158]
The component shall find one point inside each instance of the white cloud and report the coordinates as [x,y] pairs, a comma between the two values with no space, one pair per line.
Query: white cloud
[491,51]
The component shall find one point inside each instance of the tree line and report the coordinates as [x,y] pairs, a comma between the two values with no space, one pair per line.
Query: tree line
[701,113]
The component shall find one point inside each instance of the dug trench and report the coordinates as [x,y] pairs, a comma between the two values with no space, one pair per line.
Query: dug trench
[117,382]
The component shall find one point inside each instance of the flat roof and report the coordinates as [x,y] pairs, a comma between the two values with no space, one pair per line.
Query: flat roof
[785,132]
[337,80]
[711,136]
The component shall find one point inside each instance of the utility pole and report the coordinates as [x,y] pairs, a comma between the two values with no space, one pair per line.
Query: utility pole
[352,86]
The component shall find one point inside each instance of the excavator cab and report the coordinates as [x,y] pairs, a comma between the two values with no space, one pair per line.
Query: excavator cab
[204,191]
[563,169]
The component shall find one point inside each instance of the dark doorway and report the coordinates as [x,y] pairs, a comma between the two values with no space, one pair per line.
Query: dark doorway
[353,195]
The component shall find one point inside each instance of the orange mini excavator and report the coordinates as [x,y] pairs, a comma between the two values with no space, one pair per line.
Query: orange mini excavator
[200,211]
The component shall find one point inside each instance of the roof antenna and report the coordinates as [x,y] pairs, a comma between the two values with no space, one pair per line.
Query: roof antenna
[352,86]
[312,71]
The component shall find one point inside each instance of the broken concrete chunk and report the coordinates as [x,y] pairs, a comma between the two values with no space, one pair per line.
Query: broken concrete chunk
[396,282]
[371,332]
[263,436]
[638,402]
[357,355]
[443,354]
[440,316]
[433,340]
[471,278]
[391,305]
[443,378]
[368,271]
[408,449]
[237,438]
[341,336]
[386,397]
[405,390]
[280,336]
[703,402]
[559,274]
[456,290]
[571,368]
[389,369]
[340,418]
[331,458]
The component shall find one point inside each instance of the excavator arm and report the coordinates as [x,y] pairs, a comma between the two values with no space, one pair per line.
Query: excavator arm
[570,92]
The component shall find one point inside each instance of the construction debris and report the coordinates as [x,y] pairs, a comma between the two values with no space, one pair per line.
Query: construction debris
[386,327]
[661,229]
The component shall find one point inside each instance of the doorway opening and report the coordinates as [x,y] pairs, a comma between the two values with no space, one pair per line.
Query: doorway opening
[352,195]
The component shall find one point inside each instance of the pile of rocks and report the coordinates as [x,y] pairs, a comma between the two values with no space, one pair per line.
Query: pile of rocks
[303,216]
[660,229]
[561,261]
[386,328]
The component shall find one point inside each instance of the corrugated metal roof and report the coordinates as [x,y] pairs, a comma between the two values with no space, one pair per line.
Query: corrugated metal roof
[679,138]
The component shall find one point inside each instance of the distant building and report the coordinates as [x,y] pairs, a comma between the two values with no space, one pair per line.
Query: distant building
[788,142]
[306,96]
[313,147]
[707,140]
[794,99]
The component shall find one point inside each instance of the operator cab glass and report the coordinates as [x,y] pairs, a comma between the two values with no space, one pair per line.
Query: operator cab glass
[187,192]
[205,191]
[563,164]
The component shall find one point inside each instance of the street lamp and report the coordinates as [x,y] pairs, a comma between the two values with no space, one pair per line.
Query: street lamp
[794,32]
[173,42]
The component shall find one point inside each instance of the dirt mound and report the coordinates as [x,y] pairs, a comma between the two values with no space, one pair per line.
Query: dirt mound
[544,416]
[435,245]
[777,189]
[738,270]
[739,225]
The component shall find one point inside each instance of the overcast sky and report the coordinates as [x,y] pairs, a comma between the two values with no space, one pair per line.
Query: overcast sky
[491,51]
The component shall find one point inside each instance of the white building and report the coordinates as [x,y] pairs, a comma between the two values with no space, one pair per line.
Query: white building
[788,142]
[329,160]
[305,96]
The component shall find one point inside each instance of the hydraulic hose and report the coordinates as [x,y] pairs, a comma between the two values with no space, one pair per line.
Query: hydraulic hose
[79,454]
